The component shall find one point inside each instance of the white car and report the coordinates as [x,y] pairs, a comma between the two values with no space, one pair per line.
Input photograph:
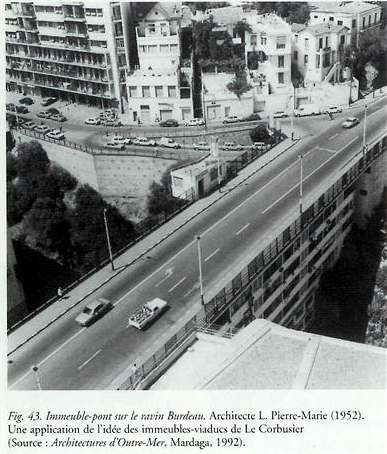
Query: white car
[231,119]
[42,129]
[115,146]
[143,141]
[29,125]
[231,146]
[333,109]
[350,122]
[279,114]
[194,122]
[201,146]
[93,311]
[93,121]
[307,109]
[121,140]
[168,142]
[56,134]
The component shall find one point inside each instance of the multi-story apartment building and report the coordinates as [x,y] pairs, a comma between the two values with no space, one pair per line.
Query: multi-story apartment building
[77,51]
[161,87]
[357,16]
[318,50]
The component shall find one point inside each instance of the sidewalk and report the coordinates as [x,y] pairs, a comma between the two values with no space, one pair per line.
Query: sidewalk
[37,324]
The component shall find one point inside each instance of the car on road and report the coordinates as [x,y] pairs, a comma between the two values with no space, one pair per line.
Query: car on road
[27,101]
[201,146]
[115,145]
[22,109]
[59,117]
[93,121]
[29,125]
[168,142]
[143,141]
[251,117]
[279,114]
[169,123]
[10,107]
[350,122]
[121,140]
[231,119]
[111,122]
[307,109]
[194,122]
[333,110]
[43,114]
[56,134]
[230,146]
[48,101]
[94,311]
[261,146]
[148,312]
[42,129]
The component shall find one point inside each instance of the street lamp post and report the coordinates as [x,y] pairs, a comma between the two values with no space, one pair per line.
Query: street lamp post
[364,129]
[301,180]
[108,238]
[35,369]
[292,127]
[200,271]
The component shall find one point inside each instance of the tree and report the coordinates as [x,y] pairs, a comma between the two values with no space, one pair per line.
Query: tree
[260,134]
[32,160]
[241,28]
[160,199]
[11,167]
[239,84]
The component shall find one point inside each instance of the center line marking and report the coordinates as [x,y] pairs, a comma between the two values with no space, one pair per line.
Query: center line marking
[167,276]
[211,255]
[88,360]
[243,228]
[334,135]
[177,284]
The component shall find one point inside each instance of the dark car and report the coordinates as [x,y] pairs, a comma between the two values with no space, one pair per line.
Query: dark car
[58,117]
[169,123]
[48,101]
[22,109]
[251,117]
[27,101]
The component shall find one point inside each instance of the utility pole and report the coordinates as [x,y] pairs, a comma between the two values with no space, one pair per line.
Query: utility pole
[108,238]
[200,270]
[292,126]
[301,180]
[203,102]
[364,129]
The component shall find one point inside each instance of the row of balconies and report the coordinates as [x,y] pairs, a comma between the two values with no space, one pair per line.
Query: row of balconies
[72,87]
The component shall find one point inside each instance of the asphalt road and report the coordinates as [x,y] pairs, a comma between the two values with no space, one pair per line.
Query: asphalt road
[70,357]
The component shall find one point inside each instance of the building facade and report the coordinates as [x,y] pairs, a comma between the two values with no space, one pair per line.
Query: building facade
[76,51]
[318,50]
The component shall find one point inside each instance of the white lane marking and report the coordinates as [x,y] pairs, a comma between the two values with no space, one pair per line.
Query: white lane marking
[91,358]
[329,150]
[50,355]
[334,135]
[243,228]
[308,176]
[195,287]
[211,255]
[177,284]
[168,274]
[348,144]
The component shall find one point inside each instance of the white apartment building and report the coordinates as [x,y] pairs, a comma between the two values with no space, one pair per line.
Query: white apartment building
[318,50]
[357,16]
[77,51]
[160,88]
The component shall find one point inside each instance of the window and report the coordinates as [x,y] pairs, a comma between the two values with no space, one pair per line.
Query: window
[295,55]
[305,59]
[151,28]
[132,92]
[281,42]
[331,19]
[296,38]
[152,49]
[146,92]
[317,61]
[99,12]
[339,22]
[159,91]
[227,111]
[263,40]
[253,40]
[342,39]
[281,78]
[143,49]
[364,22]
[320,43]
[306,43]
[316,17]
[171,91]
[353,23]
[369,20]
[281,61]
[326,41]
[375,18]
[164,48]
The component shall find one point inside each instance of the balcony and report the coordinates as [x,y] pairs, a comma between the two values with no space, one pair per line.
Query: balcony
[77,33]
[26,12]
[50,17]
[68,74]
[72,89]
[52,31]
[74,18]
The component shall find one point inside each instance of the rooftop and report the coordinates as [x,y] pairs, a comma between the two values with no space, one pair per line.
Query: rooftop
[269,23]
[227,15]
[318,29]
[267,356]
[342,7]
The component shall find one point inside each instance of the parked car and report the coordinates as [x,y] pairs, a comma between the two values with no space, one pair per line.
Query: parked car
[93,311]
[43,114]
[111,122]
[333,110]
[251,117]
[201,146]
[48,101]
[42,129]
[261,146]
[10,107]
[143,141]
[121,140]
[280,114]
[115,145]
[169,143]
[231,119]
[230,146]
[93,121]
[22,109]
[169,123]
[307,109]
[56,134]
[58,117]
[27,101]
[350,122]
[29,125]
[194,122]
